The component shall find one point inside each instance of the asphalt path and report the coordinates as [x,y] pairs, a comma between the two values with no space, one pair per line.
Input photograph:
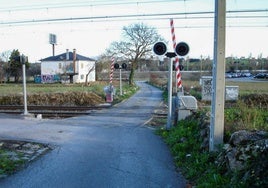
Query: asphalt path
[110,148]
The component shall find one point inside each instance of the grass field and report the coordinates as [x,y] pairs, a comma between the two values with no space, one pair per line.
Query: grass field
[244,87]
[14,89]
[63,94]
[250,87]
[97,87]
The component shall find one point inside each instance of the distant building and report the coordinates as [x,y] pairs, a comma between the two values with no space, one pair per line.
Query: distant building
[67,67]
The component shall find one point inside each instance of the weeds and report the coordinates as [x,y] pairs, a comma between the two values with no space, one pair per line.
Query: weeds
[243,116]
[197,166]
[8,165]
[127,92]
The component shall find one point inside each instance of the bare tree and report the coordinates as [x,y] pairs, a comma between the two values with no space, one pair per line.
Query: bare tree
[137,41]
[5,56]
[5,64]
[89,71]
[2,72]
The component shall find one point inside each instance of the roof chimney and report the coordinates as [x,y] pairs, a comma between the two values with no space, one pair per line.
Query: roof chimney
[67,54]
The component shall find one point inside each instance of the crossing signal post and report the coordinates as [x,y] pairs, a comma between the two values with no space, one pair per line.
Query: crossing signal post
[160,49]
[181,67]
[123,66]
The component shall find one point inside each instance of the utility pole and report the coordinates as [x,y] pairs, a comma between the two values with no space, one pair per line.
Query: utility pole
[23,61]
[218,81]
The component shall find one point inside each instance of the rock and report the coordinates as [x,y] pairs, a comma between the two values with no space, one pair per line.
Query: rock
[247,153]
[205,144]
[232,162]
[183,139]
[203,133]
[204,124]
[31,146]
[22,151]
[243,137]
[262,145]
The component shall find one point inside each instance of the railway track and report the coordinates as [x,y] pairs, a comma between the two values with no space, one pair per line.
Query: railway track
[52,111]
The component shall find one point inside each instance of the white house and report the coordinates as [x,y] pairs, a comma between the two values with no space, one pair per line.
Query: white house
[67,66]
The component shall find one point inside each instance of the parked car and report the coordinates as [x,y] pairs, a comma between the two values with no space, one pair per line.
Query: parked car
[261,75]
[228,75]
[246,74]
[231,75]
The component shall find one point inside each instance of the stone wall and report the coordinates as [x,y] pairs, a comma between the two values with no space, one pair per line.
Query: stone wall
[245,155]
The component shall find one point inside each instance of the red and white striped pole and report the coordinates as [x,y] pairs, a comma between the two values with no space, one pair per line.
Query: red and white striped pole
[112,71]
[177,64]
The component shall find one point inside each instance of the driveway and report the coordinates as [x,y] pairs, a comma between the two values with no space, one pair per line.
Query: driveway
[110,148]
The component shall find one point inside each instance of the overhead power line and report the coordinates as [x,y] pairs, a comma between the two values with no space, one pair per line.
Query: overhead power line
[82,4]
[185,15]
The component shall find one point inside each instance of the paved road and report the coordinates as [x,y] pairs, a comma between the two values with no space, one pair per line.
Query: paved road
[111,148]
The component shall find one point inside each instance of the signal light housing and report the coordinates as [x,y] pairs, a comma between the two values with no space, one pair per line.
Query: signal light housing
[124,65]
[116,66]
[160,48]
[182,49]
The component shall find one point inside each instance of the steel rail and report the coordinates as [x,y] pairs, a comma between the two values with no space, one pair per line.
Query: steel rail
[49,107]
[51,111]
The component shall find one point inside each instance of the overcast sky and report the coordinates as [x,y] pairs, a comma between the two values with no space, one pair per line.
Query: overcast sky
[25,25]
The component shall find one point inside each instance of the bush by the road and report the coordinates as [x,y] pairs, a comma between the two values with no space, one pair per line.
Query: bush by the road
[249,161]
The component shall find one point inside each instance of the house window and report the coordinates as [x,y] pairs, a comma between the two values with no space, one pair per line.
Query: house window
[60,66]
[82,77]
[82,65]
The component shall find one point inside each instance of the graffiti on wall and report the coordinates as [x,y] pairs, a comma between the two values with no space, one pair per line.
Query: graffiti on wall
[207,88]
[47,78]
[231,92]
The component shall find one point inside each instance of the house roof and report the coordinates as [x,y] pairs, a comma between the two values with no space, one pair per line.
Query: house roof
[62,57]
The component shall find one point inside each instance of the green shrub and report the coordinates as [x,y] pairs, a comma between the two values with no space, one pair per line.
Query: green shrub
[197,166]
[246,117]
[8,166]
[196,93]
[127,91]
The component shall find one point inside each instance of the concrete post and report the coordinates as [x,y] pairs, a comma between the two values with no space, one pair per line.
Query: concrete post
[218,81]
[24,88]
